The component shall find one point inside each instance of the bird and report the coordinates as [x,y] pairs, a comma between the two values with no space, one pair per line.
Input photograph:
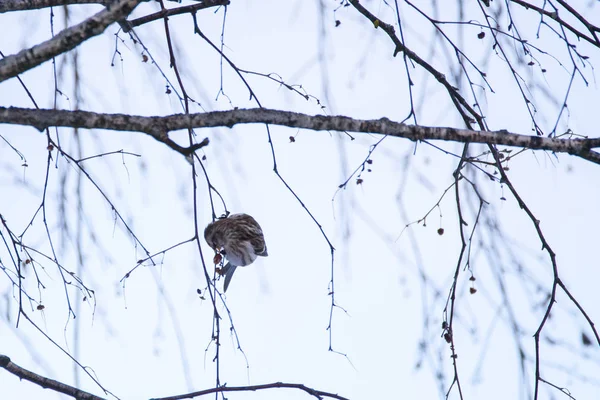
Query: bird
[239,238]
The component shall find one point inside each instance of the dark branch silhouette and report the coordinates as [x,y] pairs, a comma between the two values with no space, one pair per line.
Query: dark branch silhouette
[44,382]
[253,388]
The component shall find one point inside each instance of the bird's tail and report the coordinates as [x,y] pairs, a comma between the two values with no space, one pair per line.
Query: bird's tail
[228,271]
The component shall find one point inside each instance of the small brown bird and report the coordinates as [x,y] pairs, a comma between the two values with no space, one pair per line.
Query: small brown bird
[237,237]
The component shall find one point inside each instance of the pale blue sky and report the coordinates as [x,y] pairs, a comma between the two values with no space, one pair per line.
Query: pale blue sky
[149,339]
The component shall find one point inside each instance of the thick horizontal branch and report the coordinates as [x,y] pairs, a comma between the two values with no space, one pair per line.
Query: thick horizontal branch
[44,382]
[159,127]
[22,5]
[66,40]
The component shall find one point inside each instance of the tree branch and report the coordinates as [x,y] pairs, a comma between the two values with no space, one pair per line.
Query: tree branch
[44,382]
[554,15]
[465,110]
[159,127]
[277,385]
[22,5]
[173,11]
[66,40]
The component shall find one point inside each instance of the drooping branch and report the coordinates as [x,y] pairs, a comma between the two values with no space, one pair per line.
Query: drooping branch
[594,30]
[467,112]
[66,40]
[159,127]
[44,382]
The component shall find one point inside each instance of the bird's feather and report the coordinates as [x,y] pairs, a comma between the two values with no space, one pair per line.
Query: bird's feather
[228,269]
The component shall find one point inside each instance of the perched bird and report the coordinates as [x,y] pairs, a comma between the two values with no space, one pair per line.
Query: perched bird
[237,237]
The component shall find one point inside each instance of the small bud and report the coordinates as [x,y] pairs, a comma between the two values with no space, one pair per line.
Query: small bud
[585,339]
[447,337]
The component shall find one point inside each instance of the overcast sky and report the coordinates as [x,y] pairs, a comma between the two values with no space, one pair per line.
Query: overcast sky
[151,336]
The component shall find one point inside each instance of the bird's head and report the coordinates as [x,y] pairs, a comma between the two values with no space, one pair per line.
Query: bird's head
[213,236]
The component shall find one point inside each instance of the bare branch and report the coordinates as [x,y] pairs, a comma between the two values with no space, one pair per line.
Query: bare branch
[21,5]
[44,382]
[66,40]
[173,11]
[277,385]
[467,112]
[158,127]
[554,15]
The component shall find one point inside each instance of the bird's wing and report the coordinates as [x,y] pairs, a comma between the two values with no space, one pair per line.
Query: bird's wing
[259,246]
